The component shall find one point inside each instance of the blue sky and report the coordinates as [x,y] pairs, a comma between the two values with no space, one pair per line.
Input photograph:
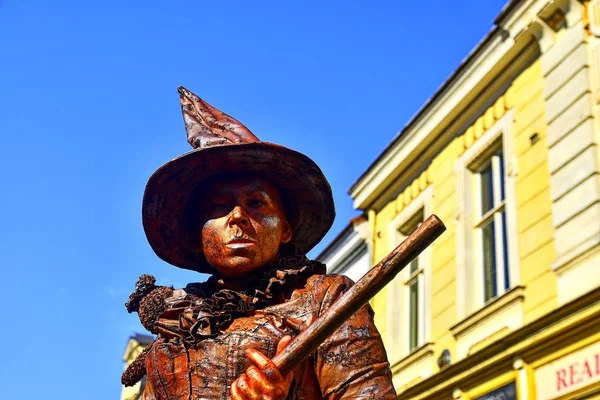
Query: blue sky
[89,109]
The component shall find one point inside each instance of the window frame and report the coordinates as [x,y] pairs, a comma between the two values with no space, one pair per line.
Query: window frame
[412,279]
[398,318]
[470,279]
[494,214]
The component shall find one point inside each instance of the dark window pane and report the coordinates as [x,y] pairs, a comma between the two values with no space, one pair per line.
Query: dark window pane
[414,266]
[413,315]
[489,261]
[487,187]
[505,250]
[501,159]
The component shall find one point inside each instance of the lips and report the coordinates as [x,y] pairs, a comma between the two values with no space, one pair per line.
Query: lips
[238,237]
[242,240]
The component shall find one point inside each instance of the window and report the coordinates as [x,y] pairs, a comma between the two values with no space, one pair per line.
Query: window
[490,225]
[487,246]
[409,311]
[412,287]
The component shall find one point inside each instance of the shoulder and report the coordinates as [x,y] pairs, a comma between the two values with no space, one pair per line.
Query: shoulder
[328,280]
[327,288]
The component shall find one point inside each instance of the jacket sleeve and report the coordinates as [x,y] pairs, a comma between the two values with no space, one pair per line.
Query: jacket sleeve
[148,393]
[352,363]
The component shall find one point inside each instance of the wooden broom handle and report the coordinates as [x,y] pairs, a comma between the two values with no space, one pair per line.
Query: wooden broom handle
[358,295]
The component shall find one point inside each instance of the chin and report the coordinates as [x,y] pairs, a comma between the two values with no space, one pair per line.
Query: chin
[237,267]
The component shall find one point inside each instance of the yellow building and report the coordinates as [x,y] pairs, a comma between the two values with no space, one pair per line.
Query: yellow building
[506,304]
[135,345]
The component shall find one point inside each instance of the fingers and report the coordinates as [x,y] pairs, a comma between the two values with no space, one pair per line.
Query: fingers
[263,380]
[255,385]
[269,388]
[241,391]
[234,392]
[283,343]
[265,365]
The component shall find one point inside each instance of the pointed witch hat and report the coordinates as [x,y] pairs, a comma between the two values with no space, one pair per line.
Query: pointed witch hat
[222,145]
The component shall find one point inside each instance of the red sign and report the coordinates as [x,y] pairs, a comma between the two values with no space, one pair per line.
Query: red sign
[578,372]
[568,373]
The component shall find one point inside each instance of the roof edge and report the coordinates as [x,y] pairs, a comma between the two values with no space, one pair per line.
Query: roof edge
[445,86]
[340,237]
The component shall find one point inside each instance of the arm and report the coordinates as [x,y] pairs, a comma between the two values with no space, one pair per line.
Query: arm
[352,363]
[148,393]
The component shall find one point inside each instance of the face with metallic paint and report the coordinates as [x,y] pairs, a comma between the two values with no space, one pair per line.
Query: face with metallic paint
[242,223]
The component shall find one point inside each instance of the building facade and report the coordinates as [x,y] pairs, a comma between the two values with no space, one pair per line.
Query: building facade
[348,254]
[506,303]
[135,345]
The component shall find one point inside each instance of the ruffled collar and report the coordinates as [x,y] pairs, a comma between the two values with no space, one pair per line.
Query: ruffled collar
[204,310]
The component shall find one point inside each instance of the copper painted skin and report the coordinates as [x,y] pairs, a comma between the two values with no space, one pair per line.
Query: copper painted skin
[350,364]
[223,145]
[242,226]
[242,223]
[217,339]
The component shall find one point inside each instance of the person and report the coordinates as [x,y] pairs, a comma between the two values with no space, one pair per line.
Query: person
[246,212]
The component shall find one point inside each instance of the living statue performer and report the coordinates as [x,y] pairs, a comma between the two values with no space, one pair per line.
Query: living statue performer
[246,212]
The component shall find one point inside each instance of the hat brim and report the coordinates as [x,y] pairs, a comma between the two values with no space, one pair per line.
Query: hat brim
[169,189]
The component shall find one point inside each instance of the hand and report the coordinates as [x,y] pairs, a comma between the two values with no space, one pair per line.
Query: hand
[262,380]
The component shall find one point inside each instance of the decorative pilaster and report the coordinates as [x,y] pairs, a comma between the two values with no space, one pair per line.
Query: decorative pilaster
[569,72]
[522,379]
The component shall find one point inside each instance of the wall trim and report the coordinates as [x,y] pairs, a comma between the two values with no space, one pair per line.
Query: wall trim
[512,296]
[425,351]
[572,322]
[493,55]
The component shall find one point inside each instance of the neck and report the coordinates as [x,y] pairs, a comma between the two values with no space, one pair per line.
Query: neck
[234,283]
[242,282]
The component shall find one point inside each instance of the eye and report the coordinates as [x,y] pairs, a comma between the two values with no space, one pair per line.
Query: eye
[218,206]
[255,203]
[215,208]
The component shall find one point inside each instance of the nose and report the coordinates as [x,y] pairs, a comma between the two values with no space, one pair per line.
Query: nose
[238,216]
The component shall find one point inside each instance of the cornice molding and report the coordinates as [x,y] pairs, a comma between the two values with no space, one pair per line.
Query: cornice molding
[496,51]
[514,295]
[419,354]
[569,323]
